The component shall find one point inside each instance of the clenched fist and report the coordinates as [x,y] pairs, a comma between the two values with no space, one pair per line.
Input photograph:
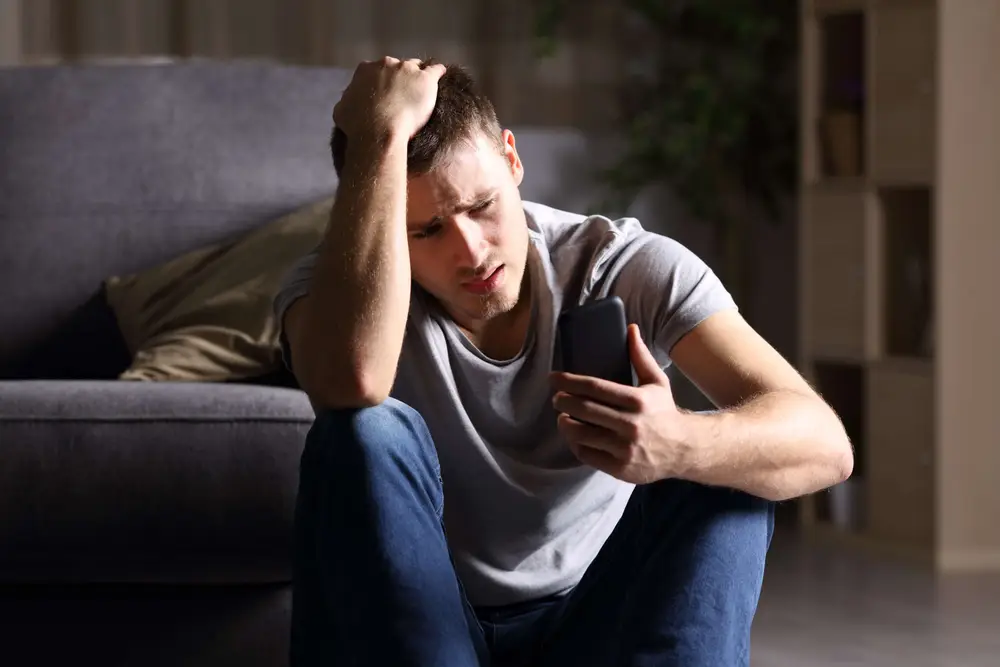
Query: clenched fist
[388,96]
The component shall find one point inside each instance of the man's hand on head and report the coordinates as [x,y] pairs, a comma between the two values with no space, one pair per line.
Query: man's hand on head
[637,434]
[388,97]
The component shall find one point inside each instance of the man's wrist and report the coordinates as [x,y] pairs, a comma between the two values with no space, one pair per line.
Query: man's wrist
[379,137]
[691,443]
[370,153]
[375,142]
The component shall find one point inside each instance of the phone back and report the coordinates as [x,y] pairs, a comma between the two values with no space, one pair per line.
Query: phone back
[594,341]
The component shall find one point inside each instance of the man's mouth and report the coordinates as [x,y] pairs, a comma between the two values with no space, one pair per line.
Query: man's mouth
[487,283]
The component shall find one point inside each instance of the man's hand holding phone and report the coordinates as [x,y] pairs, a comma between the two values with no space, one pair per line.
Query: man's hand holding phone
[633,432]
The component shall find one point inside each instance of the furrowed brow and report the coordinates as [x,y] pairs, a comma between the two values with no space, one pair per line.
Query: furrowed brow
[478,200]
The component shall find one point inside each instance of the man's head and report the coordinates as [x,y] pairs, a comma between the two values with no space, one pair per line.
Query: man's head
[468,237]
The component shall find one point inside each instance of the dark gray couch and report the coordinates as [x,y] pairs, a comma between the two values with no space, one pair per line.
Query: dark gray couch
[150,524]
[142,523]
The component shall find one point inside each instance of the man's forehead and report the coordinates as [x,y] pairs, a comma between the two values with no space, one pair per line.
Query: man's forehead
[459,178]
[476,152]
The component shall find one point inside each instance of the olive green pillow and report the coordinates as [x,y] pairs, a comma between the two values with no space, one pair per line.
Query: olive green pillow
[206,316]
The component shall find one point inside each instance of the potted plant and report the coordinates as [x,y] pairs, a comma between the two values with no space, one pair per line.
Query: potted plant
[708,108]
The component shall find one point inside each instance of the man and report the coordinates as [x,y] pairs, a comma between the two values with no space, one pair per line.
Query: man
[462,504]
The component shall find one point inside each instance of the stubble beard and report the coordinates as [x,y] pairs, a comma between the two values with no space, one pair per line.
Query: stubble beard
[495,305]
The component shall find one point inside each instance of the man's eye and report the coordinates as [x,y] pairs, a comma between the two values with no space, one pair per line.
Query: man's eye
[428,231]
[482,207]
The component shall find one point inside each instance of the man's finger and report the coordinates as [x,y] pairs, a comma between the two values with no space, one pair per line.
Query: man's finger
[436,69]
[647,370]
[598,459]
[588,435]
[597,389]
[592,412]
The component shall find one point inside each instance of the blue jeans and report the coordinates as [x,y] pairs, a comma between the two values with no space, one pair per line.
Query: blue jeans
[677,582]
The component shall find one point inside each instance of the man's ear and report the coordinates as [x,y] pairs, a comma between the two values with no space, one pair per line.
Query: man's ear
[513,159]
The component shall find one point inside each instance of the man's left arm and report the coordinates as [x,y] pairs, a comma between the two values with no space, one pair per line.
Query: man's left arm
[773,435]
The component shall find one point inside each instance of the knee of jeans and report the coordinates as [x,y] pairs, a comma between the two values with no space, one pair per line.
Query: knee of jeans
[733,520]
[745,523]
[389,432]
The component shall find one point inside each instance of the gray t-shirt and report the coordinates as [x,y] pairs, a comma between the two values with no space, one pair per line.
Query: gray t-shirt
[523,517]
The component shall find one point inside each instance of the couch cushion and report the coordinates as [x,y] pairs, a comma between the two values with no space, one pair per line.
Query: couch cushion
[109,169]
[148,482]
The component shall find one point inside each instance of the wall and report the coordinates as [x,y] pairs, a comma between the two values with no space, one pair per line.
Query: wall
[493,38]
[968,257]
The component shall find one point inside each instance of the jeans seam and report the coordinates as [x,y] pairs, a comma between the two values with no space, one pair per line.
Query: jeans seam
[439,505]
[627,604]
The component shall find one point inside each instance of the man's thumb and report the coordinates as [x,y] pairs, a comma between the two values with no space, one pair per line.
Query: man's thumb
[647,371]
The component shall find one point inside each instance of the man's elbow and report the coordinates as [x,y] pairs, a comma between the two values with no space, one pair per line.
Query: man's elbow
[846,462]
[334,376]
[357,395]
[838,450]
[828,456]
[347,391]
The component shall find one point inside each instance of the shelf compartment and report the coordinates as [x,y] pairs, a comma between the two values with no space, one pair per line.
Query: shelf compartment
[836,250]
[844,387]
[841,119]
[900,454]
[905,216]
[902,65]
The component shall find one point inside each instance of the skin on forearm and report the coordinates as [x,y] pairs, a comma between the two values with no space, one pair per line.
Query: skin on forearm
[354,318]
[780,445]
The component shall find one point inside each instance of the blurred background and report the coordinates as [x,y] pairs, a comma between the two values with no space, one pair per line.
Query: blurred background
[493,38]
[582,67]
[836,161]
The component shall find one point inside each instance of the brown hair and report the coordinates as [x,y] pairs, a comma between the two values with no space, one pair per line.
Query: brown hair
[459,112]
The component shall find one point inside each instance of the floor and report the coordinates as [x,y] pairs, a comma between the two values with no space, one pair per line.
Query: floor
[824,605]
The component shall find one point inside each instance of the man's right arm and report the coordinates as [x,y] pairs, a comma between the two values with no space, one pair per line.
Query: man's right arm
[346,334]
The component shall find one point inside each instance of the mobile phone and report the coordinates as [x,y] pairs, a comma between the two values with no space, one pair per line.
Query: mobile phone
[593,340]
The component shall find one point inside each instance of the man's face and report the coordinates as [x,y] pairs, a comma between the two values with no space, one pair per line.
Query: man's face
[467,233]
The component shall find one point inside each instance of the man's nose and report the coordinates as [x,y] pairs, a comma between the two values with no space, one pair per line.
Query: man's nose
[468,243]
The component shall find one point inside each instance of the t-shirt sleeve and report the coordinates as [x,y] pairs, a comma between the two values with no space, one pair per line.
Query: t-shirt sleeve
[295,285]
[667,289]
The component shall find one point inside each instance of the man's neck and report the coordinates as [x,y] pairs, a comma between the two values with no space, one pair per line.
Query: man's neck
[503,340]
[504,336]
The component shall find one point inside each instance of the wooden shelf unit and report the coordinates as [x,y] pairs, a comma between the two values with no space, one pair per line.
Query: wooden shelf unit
[899,262]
